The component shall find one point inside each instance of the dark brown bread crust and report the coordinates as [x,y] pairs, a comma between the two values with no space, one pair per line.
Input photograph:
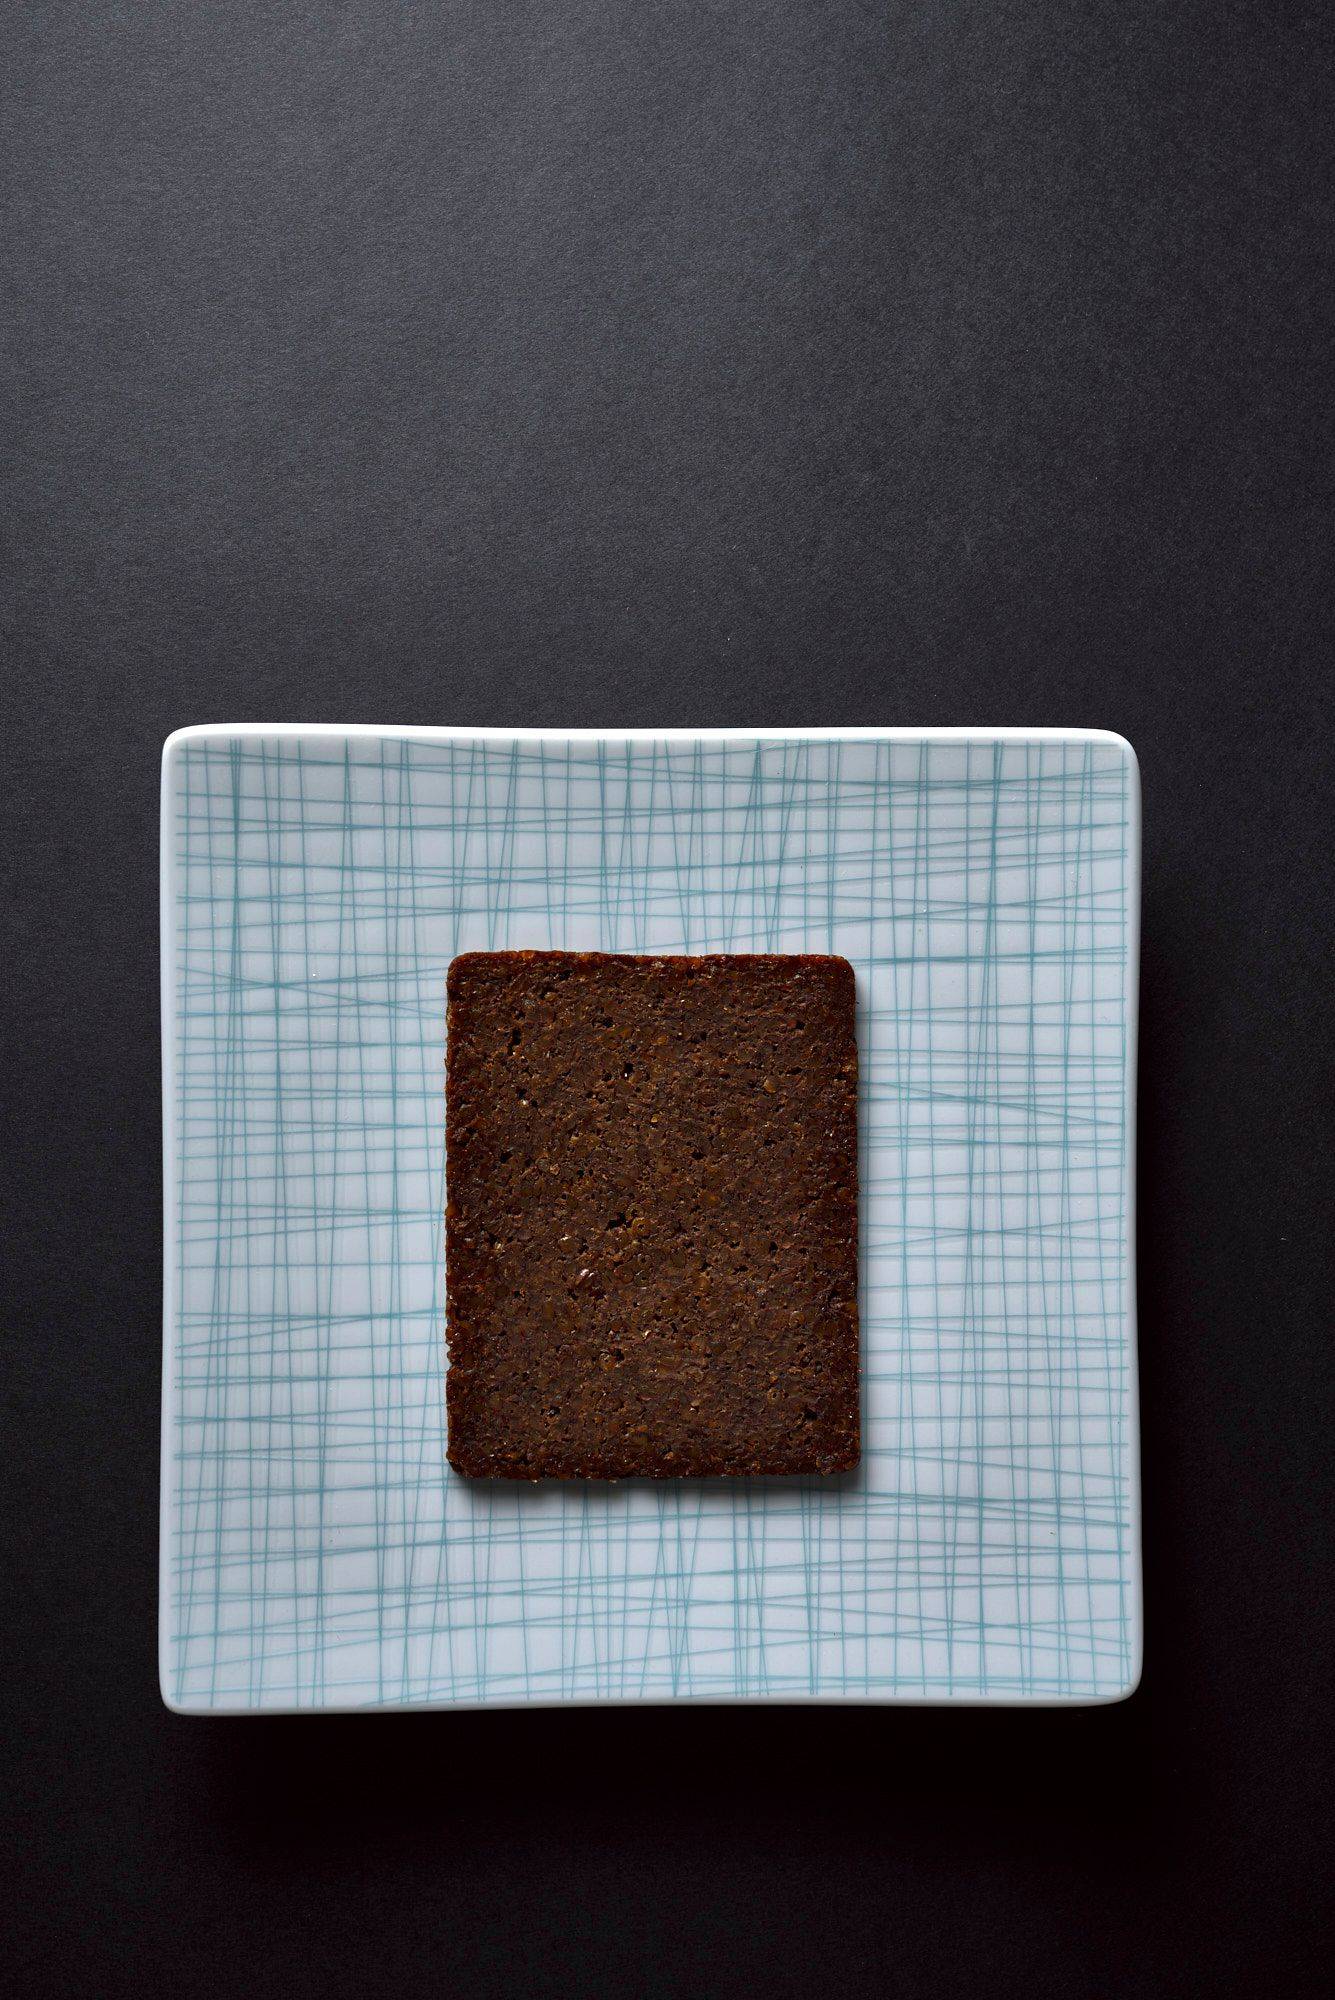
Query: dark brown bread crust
[651,1233]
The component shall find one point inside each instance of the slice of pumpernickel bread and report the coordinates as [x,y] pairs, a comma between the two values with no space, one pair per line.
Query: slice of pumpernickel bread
[651,1230]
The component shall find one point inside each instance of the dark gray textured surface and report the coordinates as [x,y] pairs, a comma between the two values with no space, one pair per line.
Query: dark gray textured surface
[602,363]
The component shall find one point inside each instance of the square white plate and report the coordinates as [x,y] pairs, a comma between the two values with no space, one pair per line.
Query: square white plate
[316,882]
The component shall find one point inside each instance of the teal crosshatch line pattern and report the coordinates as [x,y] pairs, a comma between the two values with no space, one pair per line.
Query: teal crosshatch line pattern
[317,1552]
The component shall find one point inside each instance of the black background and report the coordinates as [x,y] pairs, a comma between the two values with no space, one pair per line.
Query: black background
[594,362]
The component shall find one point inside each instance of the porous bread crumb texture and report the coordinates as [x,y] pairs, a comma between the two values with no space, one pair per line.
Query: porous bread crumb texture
[651,1229]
